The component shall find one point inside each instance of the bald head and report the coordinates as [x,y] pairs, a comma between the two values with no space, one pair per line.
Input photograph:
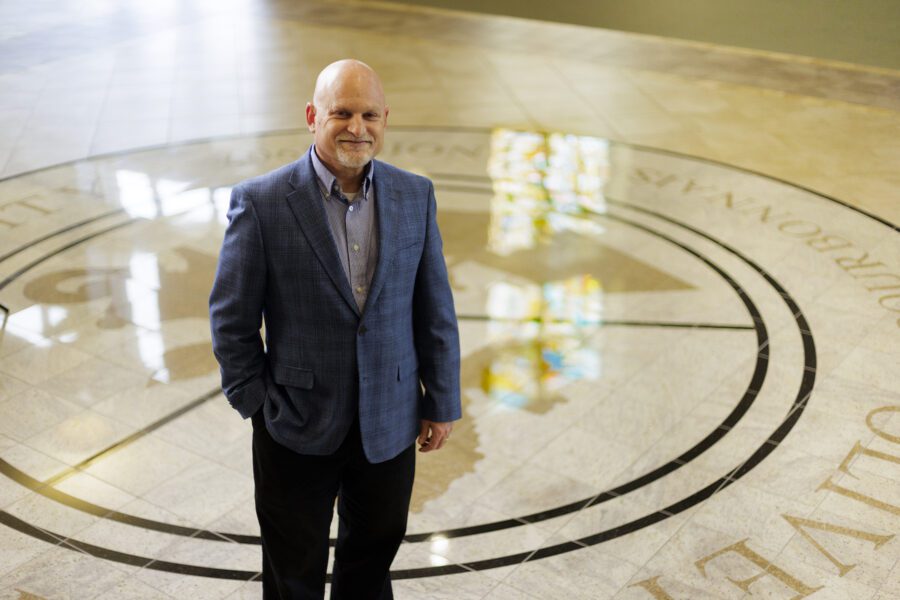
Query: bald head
[347,75]
[347,116]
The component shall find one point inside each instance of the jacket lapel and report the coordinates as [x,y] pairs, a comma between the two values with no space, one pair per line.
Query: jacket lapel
[306,204]
[385,206]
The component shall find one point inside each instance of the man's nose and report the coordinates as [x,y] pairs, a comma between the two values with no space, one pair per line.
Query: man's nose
[357,126]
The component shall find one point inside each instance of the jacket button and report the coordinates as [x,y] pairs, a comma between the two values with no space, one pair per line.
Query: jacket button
[362,330]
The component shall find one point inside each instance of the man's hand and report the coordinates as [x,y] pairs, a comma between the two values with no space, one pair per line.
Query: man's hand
[433,435]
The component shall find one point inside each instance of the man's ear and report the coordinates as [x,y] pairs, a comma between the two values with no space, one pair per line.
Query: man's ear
[311,117]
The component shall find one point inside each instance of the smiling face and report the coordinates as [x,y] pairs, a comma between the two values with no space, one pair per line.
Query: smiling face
[347,116]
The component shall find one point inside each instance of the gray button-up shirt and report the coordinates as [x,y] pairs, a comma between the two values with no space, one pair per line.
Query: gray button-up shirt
[353,226]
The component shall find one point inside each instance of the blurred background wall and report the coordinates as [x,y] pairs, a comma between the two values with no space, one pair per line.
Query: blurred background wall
[858,31]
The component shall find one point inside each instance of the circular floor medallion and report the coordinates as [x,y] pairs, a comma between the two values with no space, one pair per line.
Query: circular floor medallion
[630,348]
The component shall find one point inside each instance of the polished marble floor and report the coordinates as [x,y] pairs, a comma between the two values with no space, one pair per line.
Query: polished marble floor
[676,268]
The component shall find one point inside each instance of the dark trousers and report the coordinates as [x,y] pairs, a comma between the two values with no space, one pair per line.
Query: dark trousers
[295,496]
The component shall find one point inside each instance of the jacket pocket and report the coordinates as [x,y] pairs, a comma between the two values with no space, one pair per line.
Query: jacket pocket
[292,376]
[407,368]
[407,243]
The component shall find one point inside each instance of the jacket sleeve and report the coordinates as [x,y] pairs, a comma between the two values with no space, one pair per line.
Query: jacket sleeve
[236,307]
[435,329]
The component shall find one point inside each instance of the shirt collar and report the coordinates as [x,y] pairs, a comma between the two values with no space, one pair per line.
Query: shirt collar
[329,181]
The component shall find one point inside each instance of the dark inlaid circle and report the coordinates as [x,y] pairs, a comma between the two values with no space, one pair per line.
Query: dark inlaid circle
[732,419]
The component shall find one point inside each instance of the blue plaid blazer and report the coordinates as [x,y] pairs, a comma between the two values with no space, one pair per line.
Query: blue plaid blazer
[324,362]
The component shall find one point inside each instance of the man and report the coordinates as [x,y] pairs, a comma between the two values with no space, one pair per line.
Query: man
[342,255]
